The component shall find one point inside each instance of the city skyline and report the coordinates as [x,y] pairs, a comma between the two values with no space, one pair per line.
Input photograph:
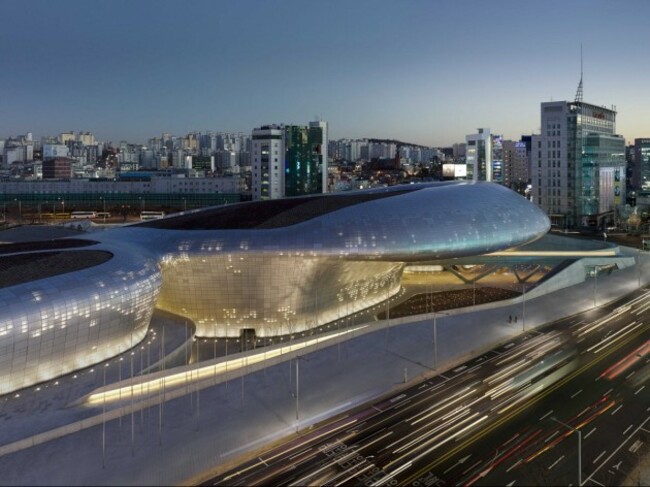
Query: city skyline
[422,72]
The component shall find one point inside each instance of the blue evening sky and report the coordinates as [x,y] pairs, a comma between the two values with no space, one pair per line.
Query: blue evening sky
[428,72]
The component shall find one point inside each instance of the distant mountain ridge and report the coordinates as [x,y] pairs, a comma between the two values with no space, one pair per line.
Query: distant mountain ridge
[396,142]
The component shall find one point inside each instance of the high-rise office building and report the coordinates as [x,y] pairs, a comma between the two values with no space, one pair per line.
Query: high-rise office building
[66,137]
[641,165]
[578,163]
[268,162]
[478,155]
[459,151]
[86,138]
[516,157]
[303,163]
[324,152]
[289,160]
[497,159]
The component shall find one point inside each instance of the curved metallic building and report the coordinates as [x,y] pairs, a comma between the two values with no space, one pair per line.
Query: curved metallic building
[278,266]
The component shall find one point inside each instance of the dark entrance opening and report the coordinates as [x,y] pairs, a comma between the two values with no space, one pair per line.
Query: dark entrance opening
[247,339]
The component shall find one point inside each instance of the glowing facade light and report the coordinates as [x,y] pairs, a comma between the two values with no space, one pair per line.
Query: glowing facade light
[280,267]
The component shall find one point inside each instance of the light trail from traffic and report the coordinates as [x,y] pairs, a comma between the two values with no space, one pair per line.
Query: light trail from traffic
[409,437]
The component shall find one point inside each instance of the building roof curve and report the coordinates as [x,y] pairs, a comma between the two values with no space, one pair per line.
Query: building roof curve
[408,222]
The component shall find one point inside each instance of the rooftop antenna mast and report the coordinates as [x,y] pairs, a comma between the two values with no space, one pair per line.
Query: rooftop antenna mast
[579,92]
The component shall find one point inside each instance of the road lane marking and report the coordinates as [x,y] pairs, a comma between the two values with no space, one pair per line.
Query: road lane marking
[459,462]
[383,480]
[630,374]
[397,398]
[560,383]
[511,439]
[551,437]
[516,464]
[556,462]
[293,456]
[615,451]
[401,404]
[587,435]
[608,392]
[608,341]
[635,446]
[628,429]
[470,468]
[616,410]
[640,389]
[574,395]
[547,414]
[584,411]
[599,456]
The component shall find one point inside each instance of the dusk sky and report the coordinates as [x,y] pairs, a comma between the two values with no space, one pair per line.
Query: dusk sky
[427,72]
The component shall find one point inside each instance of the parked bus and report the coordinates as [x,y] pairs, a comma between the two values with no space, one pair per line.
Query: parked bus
[151,215]
[78,215]
[103,214]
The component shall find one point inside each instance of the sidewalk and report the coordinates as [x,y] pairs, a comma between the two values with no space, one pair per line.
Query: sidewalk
[206,428]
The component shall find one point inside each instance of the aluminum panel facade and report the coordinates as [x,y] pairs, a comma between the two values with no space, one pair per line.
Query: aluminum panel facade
[278,280]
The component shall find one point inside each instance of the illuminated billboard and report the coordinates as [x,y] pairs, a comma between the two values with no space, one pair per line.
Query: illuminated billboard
[452,171]
[54,150]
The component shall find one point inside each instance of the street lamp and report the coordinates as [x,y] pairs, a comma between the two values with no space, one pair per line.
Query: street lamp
[435,337]
[639,259]
[523,317]
[595,284]
[103,200]
[474,294]
[20,209]
[298,359]
[579,446]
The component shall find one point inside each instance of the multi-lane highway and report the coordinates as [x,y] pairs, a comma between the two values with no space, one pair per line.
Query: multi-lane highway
[566,404]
